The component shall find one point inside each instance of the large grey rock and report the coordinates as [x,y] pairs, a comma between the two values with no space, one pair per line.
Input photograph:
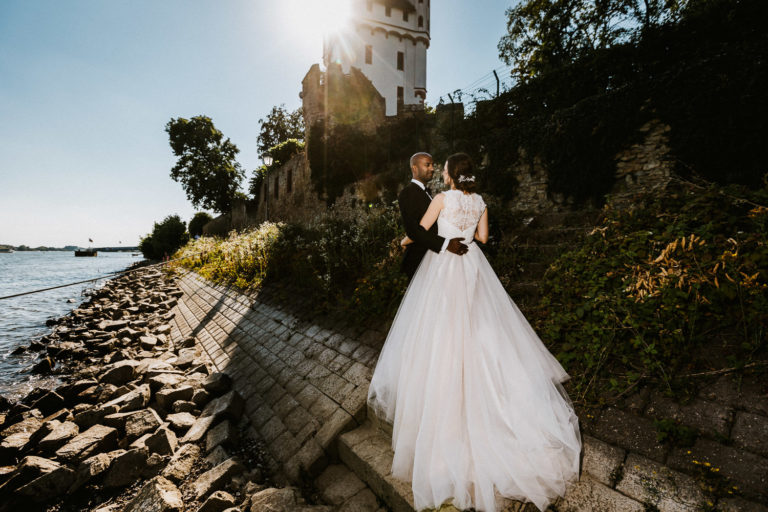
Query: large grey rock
[276,500]
[181,421]
[184,406]
[30,468]
[166,397]
[201,397]
[89,469]
[217,456]
[217,383]
[94,415]
[181,463]
[230,405]
[59,436]
[112,325]
[120,372]
[27,426]
[127,468]
[49,485]
[198,430]
[163,441]
[46,428]
[218,502]
[49,403]
[147,342]
[224,434]
[157,495]
[165,380]
[96,439]
[134,423]
[134,400]
[217,477]
[186,357]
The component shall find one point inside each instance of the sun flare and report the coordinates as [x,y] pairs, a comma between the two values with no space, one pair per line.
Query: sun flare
[324,16]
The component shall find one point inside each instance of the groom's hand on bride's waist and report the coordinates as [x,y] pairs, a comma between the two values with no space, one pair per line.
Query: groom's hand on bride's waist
[456,246]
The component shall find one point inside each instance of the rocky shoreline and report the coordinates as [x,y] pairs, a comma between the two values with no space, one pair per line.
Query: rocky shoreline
[139,423]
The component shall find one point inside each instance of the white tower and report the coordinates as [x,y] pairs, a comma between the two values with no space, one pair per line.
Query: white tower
[388,41]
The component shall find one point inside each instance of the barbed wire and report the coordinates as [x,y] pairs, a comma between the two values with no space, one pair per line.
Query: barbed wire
[481,89]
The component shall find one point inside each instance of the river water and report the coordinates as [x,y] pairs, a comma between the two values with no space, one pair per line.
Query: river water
[22,319]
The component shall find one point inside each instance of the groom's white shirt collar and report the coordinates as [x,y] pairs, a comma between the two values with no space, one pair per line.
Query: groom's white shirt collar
[420,184]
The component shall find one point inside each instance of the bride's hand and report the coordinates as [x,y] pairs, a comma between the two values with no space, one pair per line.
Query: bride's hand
[405,241]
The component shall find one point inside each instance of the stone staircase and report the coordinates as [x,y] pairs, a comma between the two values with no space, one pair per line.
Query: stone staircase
[537,243]
[367,451]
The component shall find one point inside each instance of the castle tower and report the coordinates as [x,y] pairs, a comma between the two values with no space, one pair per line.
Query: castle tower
[388,41]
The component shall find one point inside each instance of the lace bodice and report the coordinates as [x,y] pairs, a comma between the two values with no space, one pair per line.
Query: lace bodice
[462,210]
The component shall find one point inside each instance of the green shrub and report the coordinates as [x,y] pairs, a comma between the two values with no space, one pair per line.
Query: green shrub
[166,238]
[650,289]
[199,220]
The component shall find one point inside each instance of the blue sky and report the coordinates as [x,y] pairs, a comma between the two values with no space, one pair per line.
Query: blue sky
[87,86]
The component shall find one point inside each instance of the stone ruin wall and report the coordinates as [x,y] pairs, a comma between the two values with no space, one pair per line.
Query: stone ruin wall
[642,167]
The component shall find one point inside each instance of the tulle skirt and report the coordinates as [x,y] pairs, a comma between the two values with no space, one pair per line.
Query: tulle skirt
[474,397]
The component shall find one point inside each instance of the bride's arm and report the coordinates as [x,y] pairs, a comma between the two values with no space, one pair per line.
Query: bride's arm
[481,233]
[433,211]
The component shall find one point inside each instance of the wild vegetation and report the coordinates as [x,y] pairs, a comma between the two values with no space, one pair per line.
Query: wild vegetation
[664,293]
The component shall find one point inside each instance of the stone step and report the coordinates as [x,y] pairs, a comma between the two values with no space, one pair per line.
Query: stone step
[367,451]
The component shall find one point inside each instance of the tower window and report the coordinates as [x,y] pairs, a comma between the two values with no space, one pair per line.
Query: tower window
[368,54]
[277,187]
[388,11]
[421,21]
[400,61]
[400,93]
[289,185]
[405,15]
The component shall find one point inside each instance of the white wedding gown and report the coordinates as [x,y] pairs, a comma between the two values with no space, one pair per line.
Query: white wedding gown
[474,397]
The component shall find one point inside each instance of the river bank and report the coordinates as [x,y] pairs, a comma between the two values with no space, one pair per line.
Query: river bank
[137,420]
[27,318]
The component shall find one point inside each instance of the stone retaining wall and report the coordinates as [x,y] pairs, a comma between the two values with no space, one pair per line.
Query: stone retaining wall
[303,383]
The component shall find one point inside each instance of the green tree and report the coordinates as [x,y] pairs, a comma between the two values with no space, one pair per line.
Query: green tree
[198,221]
[206,167]
[280,126]
[546,34]
[166,238]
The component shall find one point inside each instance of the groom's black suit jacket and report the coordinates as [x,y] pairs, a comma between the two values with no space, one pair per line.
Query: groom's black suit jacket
[413,203]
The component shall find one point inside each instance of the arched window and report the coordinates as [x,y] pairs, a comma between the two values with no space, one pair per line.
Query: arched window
[421,21]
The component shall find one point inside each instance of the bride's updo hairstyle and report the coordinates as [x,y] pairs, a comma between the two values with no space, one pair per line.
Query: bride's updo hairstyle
[462,172]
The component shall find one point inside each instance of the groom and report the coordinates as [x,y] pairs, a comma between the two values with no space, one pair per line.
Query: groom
[414,201]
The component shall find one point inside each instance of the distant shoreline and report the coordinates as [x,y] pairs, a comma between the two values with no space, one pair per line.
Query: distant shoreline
[24,248]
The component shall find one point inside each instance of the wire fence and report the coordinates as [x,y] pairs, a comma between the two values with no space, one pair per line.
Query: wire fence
[483,88]
[110,275]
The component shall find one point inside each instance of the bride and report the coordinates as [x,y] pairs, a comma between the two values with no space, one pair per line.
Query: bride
[474,397]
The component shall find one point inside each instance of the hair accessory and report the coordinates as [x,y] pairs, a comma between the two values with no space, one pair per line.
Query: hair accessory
[463,178]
